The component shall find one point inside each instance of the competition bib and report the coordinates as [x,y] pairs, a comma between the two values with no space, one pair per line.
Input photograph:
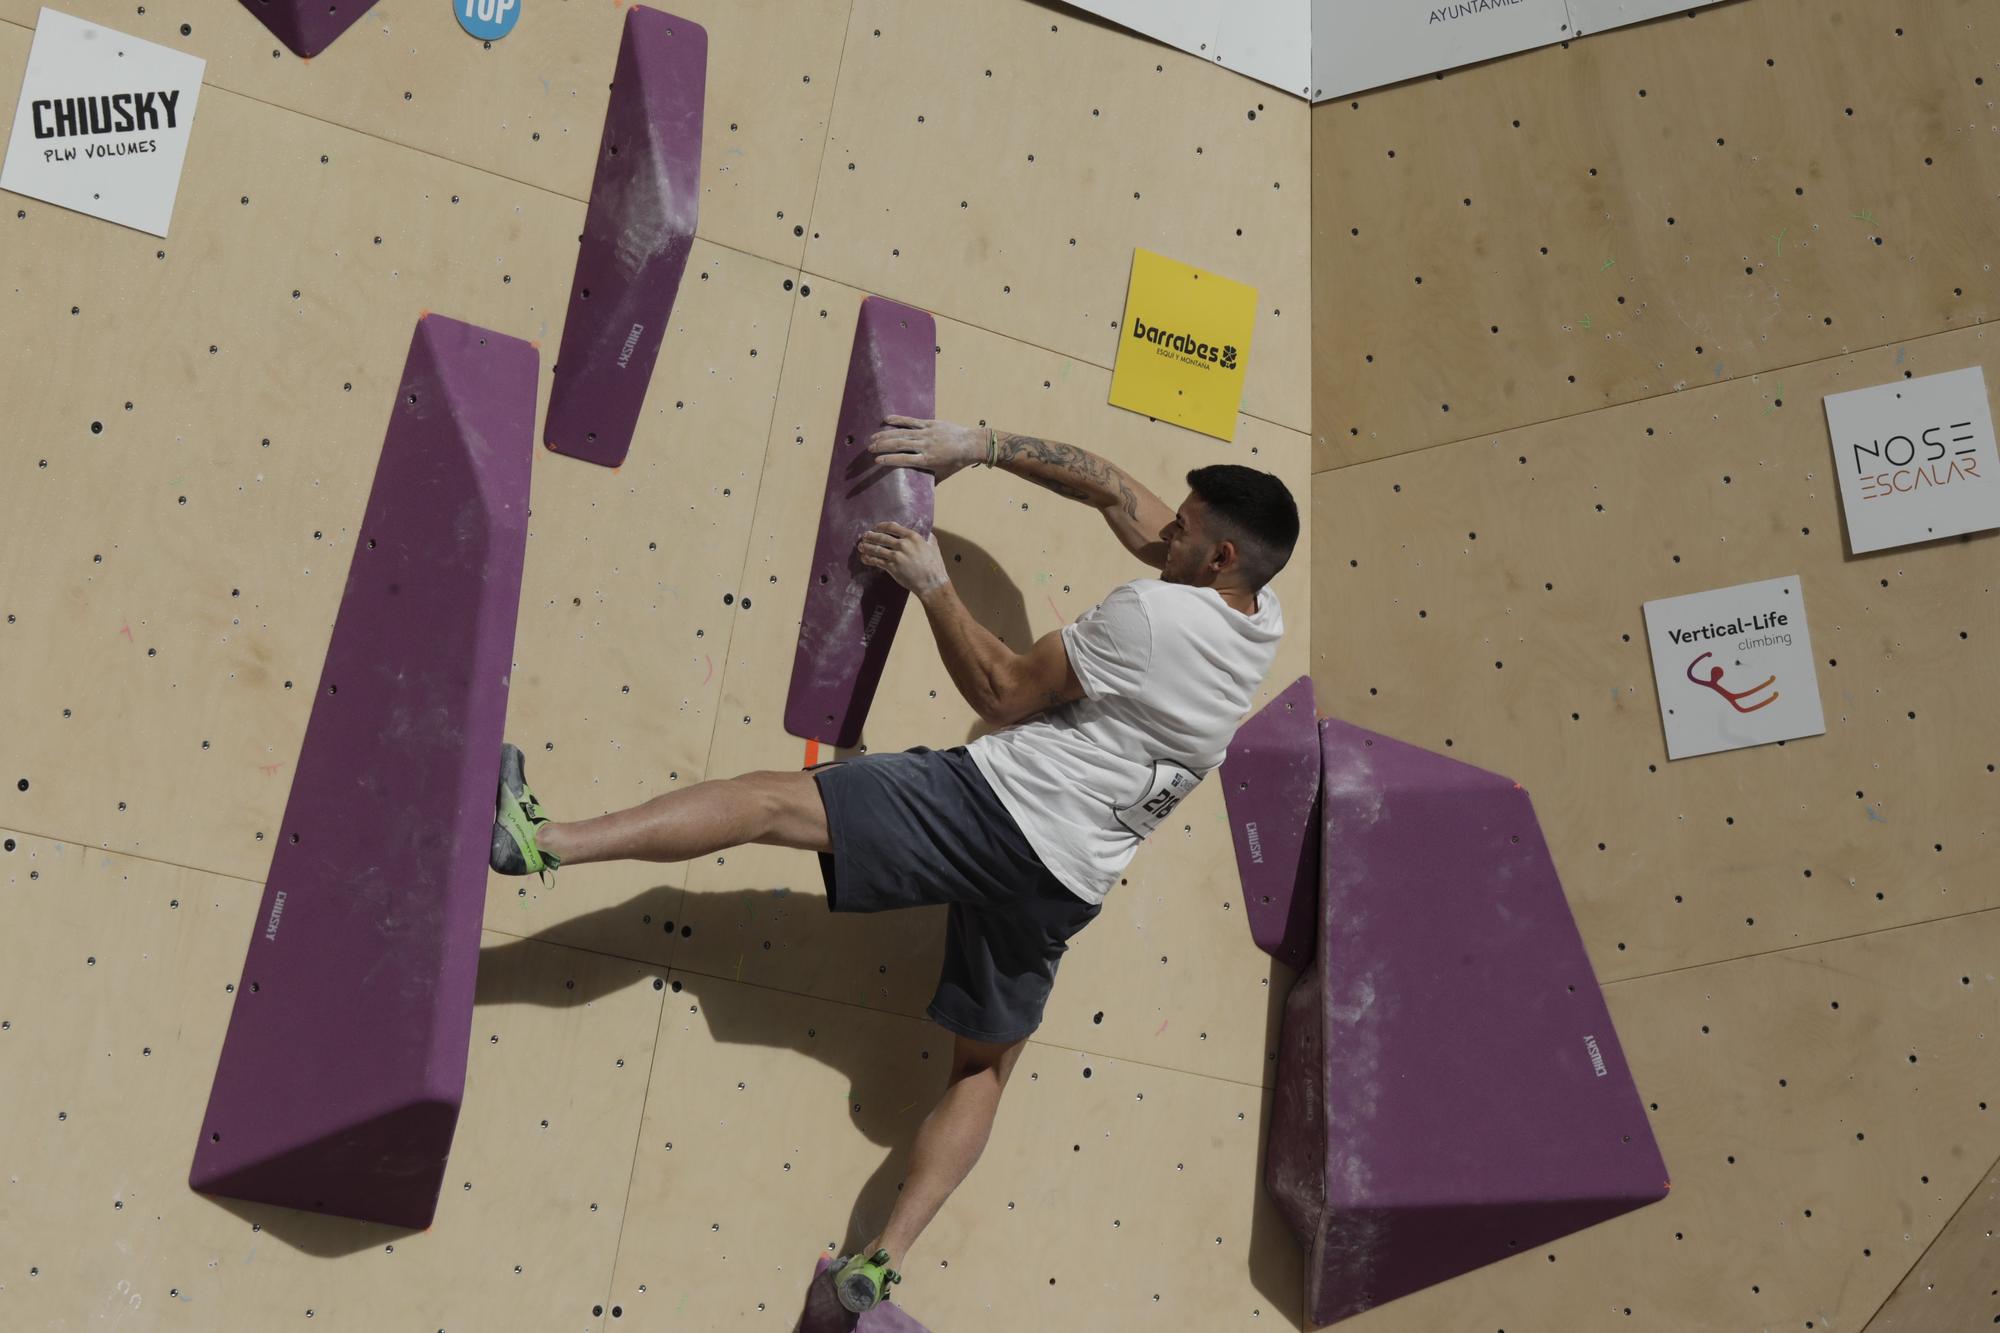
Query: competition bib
[1170,784]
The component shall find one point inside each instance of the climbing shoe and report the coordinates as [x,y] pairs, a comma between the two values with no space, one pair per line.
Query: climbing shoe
[517,816]
[863,1282]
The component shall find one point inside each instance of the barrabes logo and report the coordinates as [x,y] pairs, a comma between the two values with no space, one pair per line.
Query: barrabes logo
[1186,345]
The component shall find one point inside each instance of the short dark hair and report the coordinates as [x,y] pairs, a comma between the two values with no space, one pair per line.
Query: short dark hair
[1253,509]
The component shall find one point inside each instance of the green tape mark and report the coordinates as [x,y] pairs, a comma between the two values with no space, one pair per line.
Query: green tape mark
[1780,239]
[1607,264]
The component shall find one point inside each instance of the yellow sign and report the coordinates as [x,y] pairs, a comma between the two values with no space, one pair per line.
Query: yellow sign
[1184,345]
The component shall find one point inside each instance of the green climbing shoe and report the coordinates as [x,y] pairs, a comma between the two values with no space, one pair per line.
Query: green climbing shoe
[863,1282]
[517,815]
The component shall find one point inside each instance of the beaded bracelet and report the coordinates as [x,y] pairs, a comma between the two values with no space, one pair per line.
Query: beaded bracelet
[993,449]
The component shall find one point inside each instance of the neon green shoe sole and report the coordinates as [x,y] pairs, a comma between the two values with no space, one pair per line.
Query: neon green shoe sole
[862,1283]
[517,815]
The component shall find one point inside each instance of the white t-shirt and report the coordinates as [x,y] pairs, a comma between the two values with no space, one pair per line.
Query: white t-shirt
[1168,671]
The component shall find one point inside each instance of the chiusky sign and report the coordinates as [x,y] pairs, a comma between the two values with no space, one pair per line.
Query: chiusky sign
[103,123]
[1184,347]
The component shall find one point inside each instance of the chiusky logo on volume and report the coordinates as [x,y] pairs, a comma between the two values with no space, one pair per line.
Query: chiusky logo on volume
[277,910]
[631,341]
[1256,847]
[1187,345]
[1596,1056]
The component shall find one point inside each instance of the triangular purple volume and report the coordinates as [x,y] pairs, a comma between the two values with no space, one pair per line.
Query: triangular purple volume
[308,27]
[1270,785]
[343,1067]
[1450,1088]
[824,1313]
[851,610]
[637,236]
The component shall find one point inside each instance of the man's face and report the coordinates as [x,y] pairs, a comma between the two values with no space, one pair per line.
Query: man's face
[1188,547]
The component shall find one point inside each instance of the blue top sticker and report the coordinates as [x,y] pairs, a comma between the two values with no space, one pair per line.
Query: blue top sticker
[489,20]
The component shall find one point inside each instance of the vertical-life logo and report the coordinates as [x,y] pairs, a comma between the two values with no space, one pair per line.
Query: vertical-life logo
[1734,667]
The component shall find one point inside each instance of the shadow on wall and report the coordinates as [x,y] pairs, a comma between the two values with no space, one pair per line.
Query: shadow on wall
[993,599]
[915,936]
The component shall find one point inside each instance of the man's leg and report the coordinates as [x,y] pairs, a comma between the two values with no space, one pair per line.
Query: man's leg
[780,809]
[949,1141]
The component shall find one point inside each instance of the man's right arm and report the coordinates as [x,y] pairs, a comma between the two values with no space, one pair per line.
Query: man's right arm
[1135,514]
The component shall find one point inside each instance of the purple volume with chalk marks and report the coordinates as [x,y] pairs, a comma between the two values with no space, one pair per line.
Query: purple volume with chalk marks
[636,238]
[851,609]
[308,27]
[1270,785]
[1450,1090]
[341,1075]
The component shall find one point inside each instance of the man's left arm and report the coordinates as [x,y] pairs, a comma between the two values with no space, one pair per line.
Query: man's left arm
[1002,686]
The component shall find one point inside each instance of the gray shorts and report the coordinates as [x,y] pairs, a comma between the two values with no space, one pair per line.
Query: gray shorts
[921,826]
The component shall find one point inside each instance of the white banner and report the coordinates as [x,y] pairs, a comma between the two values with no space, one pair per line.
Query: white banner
[1322,49]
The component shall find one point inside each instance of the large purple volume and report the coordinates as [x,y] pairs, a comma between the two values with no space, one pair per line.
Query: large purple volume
[308,27]
[1450,1089]
[342,1072]
[852,609]
[1270,785]
[636,238]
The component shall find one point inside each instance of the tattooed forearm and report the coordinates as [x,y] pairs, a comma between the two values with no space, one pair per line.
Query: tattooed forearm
[1075,474]
[1126,500]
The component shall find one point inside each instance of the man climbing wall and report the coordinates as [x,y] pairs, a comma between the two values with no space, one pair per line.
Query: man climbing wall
[1104,725]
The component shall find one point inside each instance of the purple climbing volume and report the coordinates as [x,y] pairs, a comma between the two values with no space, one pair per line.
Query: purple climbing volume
[1450,1091]
[1270,785]
[341,1075]
[851,609]
[636,238]
[308,27]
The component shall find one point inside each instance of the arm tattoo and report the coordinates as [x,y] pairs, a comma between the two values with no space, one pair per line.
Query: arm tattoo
[1075,474]
[1127,501]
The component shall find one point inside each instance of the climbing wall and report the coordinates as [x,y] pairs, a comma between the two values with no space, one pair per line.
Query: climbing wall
[686,1082]
[1575,313]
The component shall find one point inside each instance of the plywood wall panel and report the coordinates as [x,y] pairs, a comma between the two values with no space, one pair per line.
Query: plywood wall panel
[1111,1194]
[172,579]
[530,107]
[1682,202]
[1823,1109]
[116,979]
[1952,1286]
[1026,561]
[1016,201]
[1484,600]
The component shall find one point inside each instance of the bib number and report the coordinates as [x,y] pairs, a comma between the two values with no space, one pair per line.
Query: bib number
[1170,785]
